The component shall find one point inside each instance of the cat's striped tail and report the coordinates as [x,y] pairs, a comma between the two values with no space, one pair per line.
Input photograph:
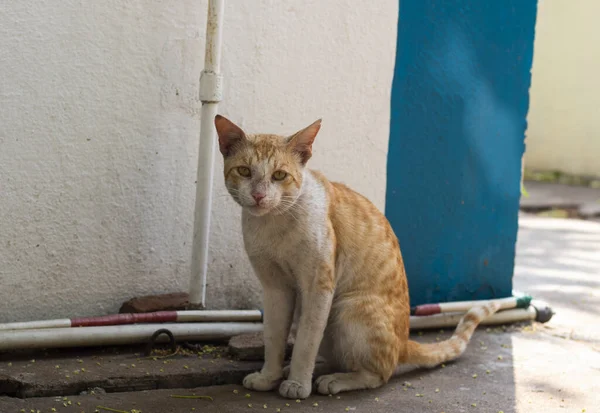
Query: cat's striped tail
[431,355]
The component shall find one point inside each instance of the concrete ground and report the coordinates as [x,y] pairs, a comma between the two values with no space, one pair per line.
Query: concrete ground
[578,201]
[532,368]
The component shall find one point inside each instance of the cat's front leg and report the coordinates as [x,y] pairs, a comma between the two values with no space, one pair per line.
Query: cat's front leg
[279,301]
[316,305]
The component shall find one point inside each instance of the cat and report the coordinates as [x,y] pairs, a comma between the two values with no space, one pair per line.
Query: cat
[327,252]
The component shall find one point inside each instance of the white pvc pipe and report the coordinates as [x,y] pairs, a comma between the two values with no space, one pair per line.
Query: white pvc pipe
[464,306]
[219,315]
[522,301]
[452,319]
[120,335]
[32,325]
[210,95]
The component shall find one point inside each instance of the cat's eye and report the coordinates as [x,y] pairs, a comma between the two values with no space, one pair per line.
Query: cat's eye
[244,171]
[279,175]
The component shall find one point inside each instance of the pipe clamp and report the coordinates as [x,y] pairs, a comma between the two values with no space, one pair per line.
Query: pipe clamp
[211,87]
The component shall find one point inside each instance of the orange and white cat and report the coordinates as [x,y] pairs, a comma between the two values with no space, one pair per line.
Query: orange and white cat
[326,251]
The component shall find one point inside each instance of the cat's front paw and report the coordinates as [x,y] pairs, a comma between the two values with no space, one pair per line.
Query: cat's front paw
[294,390]
[260,382]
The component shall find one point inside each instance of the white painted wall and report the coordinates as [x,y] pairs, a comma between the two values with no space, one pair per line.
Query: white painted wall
[564,116]
[99,136]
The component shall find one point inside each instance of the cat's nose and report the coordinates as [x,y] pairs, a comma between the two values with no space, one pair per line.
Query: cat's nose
[258,196]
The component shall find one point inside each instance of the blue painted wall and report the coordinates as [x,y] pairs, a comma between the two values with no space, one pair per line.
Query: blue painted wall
[459,106]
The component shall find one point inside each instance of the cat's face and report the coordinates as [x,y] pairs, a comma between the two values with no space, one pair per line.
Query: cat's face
[263,173]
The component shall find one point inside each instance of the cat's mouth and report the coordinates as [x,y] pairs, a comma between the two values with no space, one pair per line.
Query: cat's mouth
[258,210]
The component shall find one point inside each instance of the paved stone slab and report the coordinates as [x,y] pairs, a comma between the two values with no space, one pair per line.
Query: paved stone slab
[247,346]
[251,347]
[116,370]
[544,195]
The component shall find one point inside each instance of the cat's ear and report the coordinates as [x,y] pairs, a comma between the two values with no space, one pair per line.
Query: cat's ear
[301,142]
[229,133]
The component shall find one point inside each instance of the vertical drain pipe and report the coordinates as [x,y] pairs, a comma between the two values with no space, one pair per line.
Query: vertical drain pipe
[210,95]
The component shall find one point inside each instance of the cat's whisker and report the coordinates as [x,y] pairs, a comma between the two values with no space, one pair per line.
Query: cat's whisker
[289,213]
[292,212]
[295,205]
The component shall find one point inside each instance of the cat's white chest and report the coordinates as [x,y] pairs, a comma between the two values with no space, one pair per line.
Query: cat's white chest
[283,238]
[290,240]
[266,237]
